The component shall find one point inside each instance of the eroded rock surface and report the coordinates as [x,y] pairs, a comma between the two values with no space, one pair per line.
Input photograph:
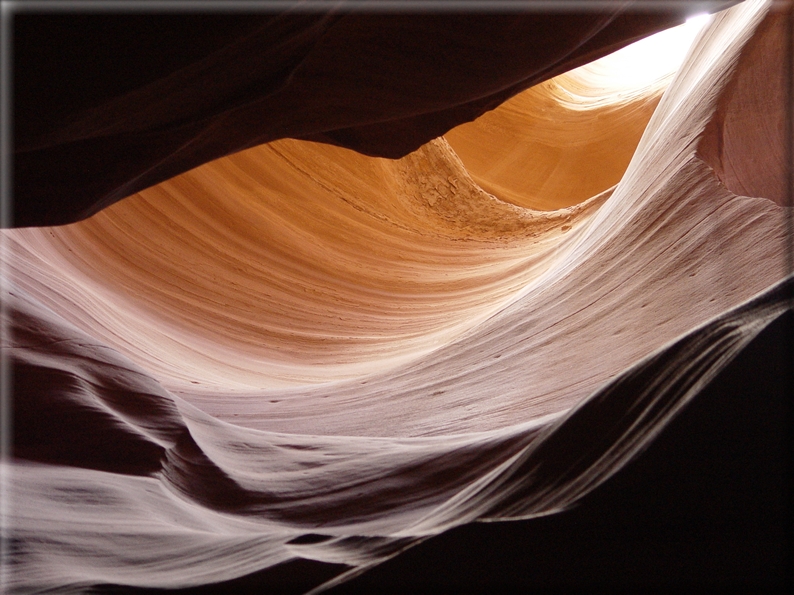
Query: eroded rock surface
[304,352]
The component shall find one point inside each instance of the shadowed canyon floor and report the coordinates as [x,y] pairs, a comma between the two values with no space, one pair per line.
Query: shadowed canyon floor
[302,368]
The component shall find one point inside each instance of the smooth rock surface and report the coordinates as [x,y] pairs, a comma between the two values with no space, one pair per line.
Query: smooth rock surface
[279,356]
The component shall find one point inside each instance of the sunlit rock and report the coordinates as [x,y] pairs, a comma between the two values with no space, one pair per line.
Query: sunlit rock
[292,352]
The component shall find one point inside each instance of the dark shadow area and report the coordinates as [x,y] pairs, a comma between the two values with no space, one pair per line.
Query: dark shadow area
[706,508]
[290,578]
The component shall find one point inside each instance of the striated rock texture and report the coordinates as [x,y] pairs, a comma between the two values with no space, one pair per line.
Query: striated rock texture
[335,322]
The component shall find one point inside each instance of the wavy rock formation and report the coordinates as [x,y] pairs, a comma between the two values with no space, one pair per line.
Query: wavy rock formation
[293,262]
[299,359]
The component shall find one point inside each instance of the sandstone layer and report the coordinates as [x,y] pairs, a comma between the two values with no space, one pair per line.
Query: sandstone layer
[302,352]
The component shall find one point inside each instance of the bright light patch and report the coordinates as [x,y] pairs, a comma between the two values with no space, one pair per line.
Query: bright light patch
[698,20]
[638,69]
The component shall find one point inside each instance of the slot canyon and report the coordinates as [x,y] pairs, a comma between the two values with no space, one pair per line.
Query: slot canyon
[355,298]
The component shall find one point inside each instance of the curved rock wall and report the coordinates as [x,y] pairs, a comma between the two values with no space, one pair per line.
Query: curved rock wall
[299,353]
